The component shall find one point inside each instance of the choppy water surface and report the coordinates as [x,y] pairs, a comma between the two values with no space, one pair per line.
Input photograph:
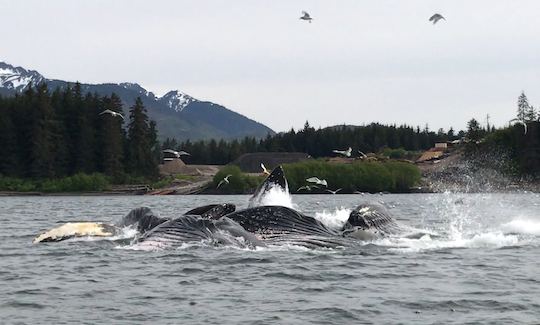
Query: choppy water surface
[481,264]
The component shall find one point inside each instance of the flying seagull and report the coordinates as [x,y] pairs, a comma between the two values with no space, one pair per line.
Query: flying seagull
[306,187]
[435,18]
[177,154]
[346,153]
[224,181]
[265,171]
[518,121]
[112,113]
[317,181]
[333,192]
[306,16]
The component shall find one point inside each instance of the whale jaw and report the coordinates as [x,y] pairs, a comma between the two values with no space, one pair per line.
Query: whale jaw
[276,179]
[76,229]
[370,221]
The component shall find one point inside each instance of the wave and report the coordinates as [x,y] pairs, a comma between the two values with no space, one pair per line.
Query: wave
[428,243]
[525,226]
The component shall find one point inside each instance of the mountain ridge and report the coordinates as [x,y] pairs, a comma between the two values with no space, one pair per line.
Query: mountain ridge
[177,114]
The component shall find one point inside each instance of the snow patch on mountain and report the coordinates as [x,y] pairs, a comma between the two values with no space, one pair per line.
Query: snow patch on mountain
[18,78]
[135,87]
[177,100]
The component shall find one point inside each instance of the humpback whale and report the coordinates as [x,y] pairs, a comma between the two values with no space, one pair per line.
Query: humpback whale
[370,221]
[283,225]
[276,179]
[269,225]
[261,225]
[143,219]
[212,211]
[221,224]
[192,228]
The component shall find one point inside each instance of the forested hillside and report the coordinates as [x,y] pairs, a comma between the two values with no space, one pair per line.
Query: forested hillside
[50,135]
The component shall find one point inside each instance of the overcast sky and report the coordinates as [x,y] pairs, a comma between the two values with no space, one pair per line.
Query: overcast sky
[358,62]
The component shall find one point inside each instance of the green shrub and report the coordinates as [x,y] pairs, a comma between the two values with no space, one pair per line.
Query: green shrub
[16,184]
[400,153]
[392,176]
[76,183]
[168,180]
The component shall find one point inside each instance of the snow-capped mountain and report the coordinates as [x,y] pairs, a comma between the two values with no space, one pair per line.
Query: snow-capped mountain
[177,100]
[137,88]
[17,78]
[177,114]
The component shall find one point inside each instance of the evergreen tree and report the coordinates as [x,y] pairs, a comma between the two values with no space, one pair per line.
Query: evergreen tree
[112,137]
[474,131]
[60,141]
[523,107]
[530,114]
[139,143]
[154,143]
[8,140]
[41,155]
[451,134]
[84,134]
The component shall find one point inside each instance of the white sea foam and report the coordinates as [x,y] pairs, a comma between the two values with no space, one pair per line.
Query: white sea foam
[334,219]
[426,242]
[522,226]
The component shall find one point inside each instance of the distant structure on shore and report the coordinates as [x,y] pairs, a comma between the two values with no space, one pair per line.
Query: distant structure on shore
[438,151]
[251,162]
[171,166]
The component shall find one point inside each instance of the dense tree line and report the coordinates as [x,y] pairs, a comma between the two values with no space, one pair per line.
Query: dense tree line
[514,149]
[316,142]
[46,134]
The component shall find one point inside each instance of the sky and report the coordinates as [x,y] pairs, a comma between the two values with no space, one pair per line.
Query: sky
[358,62]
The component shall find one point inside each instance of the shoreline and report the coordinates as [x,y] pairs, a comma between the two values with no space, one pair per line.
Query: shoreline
[106,193]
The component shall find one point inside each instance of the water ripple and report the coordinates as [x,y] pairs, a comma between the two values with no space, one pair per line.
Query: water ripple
[481,269]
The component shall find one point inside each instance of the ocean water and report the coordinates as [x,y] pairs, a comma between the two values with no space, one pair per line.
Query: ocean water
[478,263]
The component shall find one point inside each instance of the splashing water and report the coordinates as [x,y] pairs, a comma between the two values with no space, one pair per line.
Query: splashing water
[334,219]
[426,242]
[277,196]
[522,226]
[473,221]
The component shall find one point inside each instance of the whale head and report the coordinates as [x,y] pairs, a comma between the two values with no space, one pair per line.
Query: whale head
[213,211]
[143,218]
[276,179]
[367,221]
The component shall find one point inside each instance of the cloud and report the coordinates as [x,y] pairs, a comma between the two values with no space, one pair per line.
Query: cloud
[357,62]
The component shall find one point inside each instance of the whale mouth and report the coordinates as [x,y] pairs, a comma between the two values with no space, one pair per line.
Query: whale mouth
[276,179]
[360,233]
